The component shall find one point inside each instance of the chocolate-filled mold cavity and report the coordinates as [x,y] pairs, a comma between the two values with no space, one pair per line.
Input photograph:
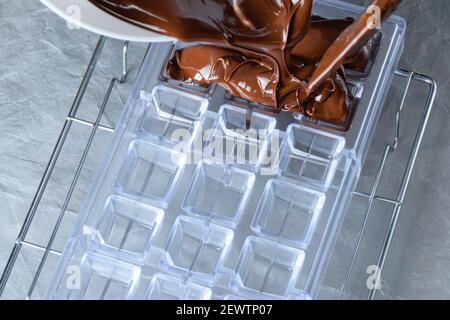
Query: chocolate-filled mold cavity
[165,77]
[355,77]
[358,73]
[355,86]
[272,53]
[355,74]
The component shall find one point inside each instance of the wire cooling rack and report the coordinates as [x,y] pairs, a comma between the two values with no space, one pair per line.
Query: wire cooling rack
[395,200]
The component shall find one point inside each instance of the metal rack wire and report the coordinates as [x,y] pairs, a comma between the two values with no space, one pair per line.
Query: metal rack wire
[389,150]
[72,117]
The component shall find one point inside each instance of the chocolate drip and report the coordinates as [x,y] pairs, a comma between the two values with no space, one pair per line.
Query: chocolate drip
[271,52]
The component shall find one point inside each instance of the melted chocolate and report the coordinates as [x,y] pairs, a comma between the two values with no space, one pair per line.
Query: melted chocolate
[270,52]
[351,40]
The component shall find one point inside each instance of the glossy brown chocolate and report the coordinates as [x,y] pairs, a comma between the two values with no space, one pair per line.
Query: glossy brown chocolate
[351,40]
[265,51]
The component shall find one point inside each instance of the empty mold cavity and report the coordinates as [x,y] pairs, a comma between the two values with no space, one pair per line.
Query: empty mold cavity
[151,171]
[310,155]
[197,248]
[266,267]
[288,212]
[173,116]
[128,225]
[219,193]
[102,278]
[164,287]
[241,137]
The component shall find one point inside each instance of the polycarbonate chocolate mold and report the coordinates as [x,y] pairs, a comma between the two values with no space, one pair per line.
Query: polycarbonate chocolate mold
[240,138]
[218,193]
[128,226]
[164,287]
[172,115]
[288,213]
[267,267]
[249,233]
[100,278]
[151,171]
[197,248]
[310,155]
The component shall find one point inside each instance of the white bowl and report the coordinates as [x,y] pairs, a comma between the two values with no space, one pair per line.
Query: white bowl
[84,14]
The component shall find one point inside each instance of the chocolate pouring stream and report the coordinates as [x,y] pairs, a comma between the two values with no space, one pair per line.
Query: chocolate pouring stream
[269,52]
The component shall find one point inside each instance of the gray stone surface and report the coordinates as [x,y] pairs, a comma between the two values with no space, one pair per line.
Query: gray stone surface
[417,265]
[42,65]
[42,62]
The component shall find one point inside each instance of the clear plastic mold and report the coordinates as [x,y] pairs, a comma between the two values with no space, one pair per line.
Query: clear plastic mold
[248,232]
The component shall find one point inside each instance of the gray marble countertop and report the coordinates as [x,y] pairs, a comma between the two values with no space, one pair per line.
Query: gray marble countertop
[42,62]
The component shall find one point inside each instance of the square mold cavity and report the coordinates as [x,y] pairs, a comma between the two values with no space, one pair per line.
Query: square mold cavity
[165,287]
[102,278]
[240,137]
[267,267]
[197,248]
[151,171]
[288,212]
[219,193]
[310,155]
[356,90]
[173,116]
[128,226]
